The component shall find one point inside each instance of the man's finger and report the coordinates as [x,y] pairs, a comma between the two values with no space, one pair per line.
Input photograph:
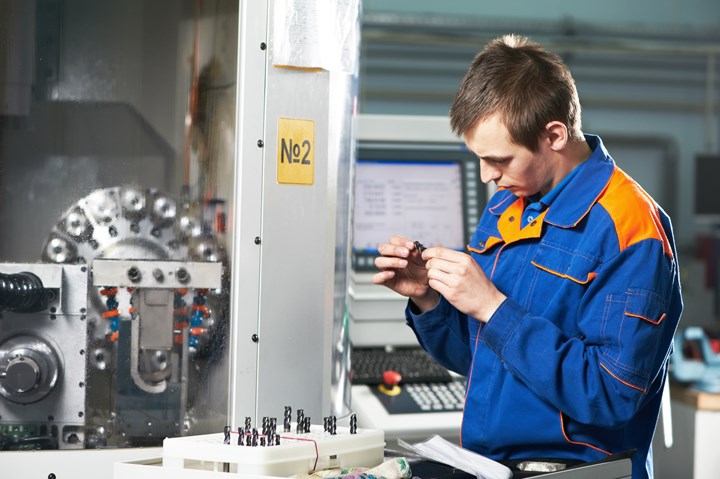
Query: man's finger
[385,262]
[388,249]
[400,241]
[443,253]
[383,276]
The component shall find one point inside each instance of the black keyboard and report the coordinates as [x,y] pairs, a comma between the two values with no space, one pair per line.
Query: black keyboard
[413,364]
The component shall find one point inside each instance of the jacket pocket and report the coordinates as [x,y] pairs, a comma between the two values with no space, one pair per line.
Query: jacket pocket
[633,332]
[553,283]
[576,267]
[645,305]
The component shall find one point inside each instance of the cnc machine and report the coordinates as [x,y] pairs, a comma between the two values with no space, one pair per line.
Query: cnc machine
[175,222]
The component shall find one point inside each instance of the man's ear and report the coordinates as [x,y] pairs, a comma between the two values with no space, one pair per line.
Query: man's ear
[555,135]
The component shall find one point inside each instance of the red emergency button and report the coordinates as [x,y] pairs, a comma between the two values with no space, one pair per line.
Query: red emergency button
[391,381]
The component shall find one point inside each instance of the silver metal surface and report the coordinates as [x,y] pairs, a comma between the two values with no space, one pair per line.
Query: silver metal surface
[98,226]
[157,274]
[538,466]
[154,308]
[29,369]
[247,215]
[55,340]
[341,145]
[296,302]
[290,240]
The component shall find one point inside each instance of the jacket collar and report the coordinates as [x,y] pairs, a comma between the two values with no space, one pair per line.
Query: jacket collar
[583,191]
[575,200]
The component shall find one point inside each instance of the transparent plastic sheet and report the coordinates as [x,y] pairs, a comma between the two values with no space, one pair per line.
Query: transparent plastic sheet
[438,449]
[316,34]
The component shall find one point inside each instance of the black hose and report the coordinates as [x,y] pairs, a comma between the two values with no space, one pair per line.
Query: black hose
[22,292]
[11,443]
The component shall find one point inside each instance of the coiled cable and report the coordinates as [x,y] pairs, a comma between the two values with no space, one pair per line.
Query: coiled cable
[22,292]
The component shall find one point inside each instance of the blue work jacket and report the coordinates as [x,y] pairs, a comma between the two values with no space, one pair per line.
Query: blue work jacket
[572,364]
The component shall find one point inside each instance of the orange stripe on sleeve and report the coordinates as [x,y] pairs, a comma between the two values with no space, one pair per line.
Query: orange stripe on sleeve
[562,427]
[647,319]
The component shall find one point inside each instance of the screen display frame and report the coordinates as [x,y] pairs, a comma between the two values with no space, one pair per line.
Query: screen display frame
[707,199]
[473,191]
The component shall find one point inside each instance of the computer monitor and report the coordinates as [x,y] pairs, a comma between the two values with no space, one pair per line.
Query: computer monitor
[707,199]
[707,212]
[415,178]
[428,193]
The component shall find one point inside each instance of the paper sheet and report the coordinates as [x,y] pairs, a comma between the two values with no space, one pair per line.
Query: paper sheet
[440,450]
[316,34]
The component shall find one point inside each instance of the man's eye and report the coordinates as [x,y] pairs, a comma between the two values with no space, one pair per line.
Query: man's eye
[496,161]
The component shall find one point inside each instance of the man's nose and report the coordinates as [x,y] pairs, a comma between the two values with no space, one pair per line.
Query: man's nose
[488,172]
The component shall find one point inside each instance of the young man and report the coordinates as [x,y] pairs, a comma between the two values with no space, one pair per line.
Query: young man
[563,314]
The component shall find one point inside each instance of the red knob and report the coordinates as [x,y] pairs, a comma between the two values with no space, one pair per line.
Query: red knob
[391,378]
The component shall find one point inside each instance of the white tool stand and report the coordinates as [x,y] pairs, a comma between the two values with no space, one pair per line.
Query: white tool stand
[299,452]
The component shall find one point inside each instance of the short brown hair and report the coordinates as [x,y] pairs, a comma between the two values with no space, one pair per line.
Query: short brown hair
[523,82]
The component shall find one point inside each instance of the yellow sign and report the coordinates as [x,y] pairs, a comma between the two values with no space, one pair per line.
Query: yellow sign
[296,151]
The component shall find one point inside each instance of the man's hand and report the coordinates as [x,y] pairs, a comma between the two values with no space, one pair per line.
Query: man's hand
[462,282]
[402,269]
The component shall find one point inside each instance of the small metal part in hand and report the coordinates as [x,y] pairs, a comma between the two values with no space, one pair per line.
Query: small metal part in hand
[537,466]
[419,246]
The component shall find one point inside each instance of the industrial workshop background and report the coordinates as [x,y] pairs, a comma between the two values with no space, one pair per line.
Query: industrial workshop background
[646,71]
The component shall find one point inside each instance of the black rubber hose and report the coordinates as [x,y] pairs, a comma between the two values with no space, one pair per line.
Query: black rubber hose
[22,292]
[9,443]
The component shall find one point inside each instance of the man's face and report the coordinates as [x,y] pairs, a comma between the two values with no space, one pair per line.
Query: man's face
[508,165]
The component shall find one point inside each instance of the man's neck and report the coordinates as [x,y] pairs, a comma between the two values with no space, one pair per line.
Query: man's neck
[573,155]
[577,153]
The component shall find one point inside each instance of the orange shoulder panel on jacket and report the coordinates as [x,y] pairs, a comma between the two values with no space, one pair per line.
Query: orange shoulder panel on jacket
[635,214]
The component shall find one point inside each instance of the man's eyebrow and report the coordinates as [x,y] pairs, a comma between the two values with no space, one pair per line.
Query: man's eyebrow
[494,158]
